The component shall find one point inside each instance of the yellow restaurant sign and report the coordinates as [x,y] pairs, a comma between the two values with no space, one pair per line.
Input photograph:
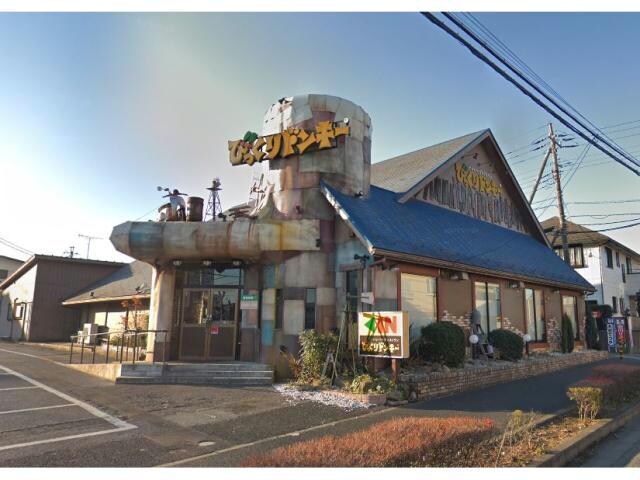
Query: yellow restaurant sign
[476,179]
[292,141]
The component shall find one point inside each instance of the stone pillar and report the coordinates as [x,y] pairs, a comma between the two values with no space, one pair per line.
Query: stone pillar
[161,312]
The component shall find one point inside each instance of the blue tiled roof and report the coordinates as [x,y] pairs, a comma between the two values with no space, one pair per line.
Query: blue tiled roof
[425,230]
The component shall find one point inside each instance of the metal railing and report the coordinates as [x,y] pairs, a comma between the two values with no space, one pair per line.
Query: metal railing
[127,344]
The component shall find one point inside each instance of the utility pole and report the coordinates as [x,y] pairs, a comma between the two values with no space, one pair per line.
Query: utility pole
[88,238]
[553,152]
[556,177]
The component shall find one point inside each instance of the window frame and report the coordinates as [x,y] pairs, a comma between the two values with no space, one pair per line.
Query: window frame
[534,334]
[609,254]
[614,302]
[575,313]
[485,284]
[307,308]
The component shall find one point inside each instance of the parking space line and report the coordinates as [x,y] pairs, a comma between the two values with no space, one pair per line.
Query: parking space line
[37,408]
[16,388]
[60,439]
[120,425]
[116,422]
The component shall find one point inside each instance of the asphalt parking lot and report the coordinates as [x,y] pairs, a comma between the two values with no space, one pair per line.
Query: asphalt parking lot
[32,413]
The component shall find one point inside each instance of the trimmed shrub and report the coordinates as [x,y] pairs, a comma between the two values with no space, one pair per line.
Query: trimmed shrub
[508,343]
[399,442]
[567,335]
[313,353]
[589,400]
[366,383]
[442,342]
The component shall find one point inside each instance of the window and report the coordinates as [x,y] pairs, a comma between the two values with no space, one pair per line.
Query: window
[617,259]
[534,309]
[629,267]
[488,305]
[418,297]
[624,274]
[570,309]
[3,274]
[310,308]
[576,255]
[609,253]
[352,294]
[614,304]
[279,308]
[621,305]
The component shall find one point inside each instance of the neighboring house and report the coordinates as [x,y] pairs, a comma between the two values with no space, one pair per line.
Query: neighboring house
[30,298]
[118,301]
[608,265]
[8,265]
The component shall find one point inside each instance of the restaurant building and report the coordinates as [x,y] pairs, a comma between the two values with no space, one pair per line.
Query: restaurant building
[439,232]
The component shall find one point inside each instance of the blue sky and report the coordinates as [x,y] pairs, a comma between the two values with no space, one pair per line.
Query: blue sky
[96,110]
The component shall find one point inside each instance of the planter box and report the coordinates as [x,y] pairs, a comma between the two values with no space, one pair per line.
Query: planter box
[440,384]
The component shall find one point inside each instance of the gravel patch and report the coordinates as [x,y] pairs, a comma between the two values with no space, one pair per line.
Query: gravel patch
[294,396]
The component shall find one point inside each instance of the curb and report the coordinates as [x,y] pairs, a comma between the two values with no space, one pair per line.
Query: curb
[570,449]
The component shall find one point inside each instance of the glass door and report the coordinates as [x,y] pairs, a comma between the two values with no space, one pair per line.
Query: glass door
[222,328]
[196,314]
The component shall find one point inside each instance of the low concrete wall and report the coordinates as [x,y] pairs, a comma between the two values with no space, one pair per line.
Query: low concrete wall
[440,384]
[108,371]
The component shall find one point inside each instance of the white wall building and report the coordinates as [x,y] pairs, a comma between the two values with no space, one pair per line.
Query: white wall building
[611,267]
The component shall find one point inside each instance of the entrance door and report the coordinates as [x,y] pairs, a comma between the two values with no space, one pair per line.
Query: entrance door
[208,325]
[193,325]
[222,329]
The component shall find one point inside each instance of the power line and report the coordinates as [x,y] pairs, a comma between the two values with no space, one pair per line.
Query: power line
[612,223]
[15,247]
[433,19]
[535,76]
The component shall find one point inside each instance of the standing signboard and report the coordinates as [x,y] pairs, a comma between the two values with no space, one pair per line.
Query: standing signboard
[616,335]
[383,334]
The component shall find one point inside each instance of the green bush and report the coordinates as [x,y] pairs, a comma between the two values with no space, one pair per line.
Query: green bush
[591,330]
[509,344]
[567,335]
[365,383]
[313,353]
[442,342]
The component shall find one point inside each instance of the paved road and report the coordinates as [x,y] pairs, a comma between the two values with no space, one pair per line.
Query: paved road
[87,421]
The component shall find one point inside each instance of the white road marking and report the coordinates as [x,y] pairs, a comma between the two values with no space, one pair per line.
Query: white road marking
[275,437]
[60,439]
[120,425]
[37,408]
[16,388]
[116,422]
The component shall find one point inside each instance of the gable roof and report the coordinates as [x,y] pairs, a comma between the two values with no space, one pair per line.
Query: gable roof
[399,174]
[119,285]
[579,234]
[11,259]
[34,259]
[425,233]
[429,161]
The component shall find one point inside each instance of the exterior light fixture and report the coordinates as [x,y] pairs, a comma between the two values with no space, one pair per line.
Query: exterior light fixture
[206,263]
[345,120]
[236,263]
[473,339]
[177,263]
[527,339]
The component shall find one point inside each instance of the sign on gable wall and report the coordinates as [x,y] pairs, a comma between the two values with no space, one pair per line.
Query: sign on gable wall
[472,186]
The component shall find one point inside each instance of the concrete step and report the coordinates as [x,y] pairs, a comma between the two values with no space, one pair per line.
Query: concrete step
[212,367]
[222,381]
[221,374]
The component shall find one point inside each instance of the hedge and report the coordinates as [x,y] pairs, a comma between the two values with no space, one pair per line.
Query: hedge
[508,343]
[442,342]
[399,442]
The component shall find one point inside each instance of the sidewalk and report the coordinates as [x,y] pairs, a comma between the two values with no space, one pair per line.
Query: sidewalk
[544,394]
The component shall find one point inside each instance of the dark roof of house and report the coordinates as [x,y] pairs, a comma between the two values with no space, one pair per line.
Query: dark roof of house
[448,238]
[579,234]
[34,259]
[119,285]
[11,259]
[399,174]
